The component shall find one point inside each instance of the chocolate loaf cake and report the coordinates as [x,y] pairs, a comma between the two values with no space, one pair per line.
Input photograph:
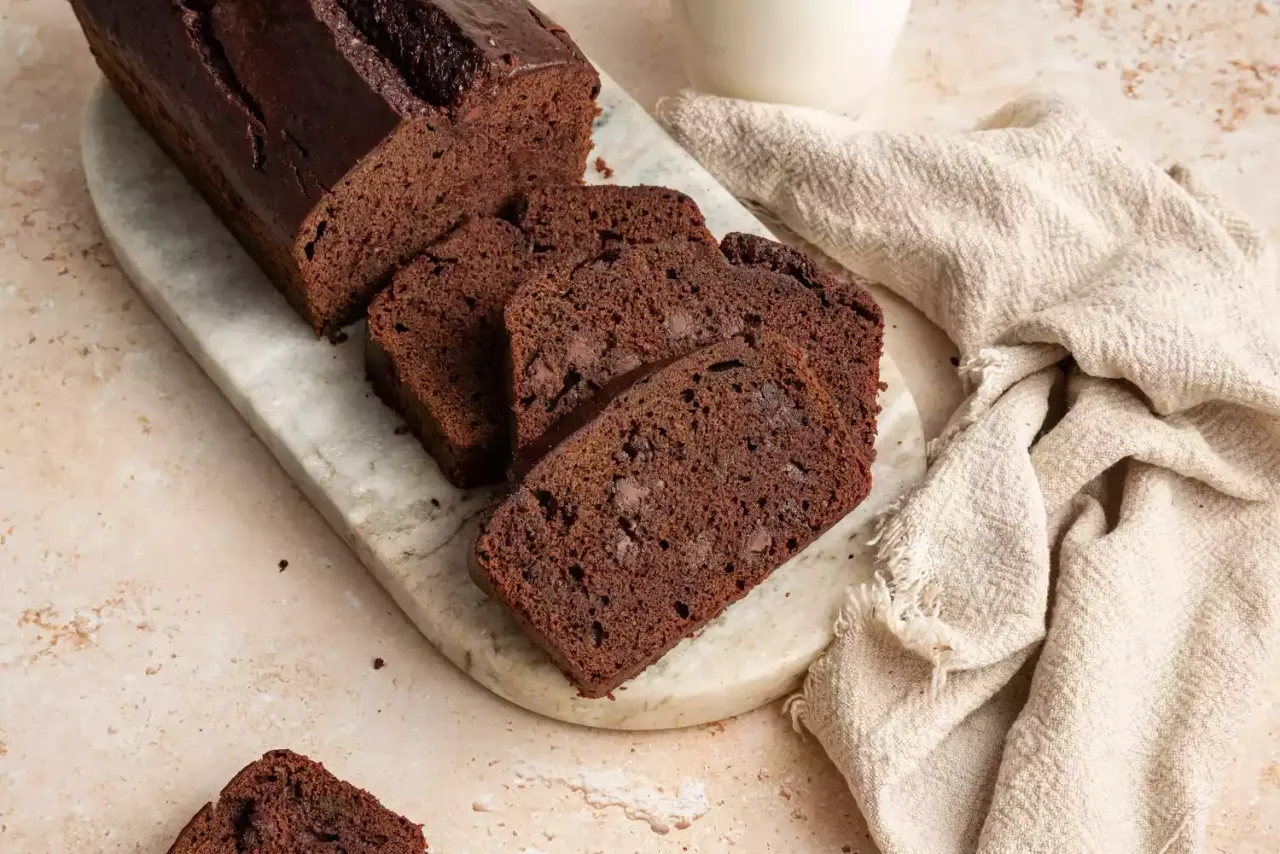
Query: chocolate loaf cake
[684,493]
[573,333]
[338,138]
[435,349]
[286,804]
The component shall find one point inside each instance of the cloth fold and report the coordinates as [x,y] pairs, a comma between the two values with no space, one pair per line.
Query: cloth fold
[1079,605]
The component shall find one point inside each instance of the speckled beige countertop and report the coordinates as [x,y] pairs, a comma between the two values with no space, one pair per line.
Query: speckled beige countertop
[150,641]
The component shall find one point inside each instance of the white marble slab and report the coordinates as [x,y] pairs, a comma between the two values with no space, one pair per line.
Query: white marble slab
[309,402]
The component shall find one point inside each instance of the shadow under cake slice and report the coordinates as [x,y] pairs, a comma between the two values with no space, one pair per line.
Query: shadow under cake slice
[285,803]
[575,336]
[435,349]
[684,493]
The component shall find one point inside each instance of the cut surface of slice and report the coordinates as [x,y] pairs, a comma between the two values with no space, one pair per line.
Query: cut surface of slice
[684,493]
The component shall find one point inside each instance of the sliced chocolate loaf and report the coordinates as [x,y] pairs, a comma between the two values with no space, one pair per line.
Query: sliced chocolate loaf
[286,804]
[862,364]
[684,493]
[338,138]
[573,333]
[436,350]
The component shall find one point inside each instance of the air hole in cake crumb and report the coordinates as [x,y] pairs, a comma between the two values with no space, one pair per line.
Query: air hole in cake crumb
[721,367]
[575,572]
[687,395]
[697,378]
[762,502]
[400,327]
[664,545]
[706,410]
[436,155]
[693,289]
[548,502]
[604,600]
[526,575]
[470,301]
[791,543]
[310,248]
[683,610]
[597,633]
[672,274]
[728,568]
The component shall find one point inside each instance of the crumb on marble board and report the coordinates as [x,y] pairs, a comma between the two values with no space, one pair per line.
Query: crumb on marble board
[378,664]
[603,168]
[283,564]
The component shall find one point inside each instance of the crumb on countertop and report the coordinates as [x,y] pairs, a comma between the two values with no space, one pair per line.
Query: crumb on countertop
[283,564]
[378,664]
[603,168]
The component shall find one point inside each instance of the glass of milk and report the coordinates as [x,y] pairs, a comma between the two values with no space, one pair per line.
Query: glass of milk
[828,54]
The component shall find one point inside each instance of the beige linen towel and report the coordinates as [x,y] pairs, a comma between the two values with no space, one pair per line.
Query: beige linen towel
[1077,607]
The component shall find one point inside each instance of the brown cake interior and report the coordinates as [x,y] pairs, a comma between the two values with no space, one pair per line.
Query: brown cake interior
[680,497]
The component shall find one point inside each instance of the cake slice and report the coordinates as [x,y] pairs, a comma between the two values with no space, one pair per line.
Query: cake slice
[575,333]
[287,804]
[338,138]
[683,494]
[435,349]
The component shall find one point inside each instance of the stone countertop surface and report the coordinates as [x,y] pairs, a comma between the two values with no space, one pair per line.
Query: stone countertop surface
[171,606]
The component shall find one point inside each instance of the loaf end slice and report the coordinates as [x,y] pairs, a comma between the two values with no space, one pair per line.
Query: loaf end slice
[285,803]
[683,494]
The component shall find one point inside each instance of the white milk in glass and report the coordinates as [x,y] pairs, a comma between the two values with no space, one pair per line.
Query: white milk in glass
[829,54]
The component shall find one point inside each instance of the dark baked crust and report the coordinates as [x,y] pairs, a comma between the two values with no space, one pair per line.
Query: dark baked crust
[681,496]
[335,145]
[285,803]
[436,350]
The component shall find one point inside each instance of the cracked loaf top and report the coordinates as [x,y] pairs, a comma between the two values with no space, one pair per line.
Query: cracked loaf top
[269,106]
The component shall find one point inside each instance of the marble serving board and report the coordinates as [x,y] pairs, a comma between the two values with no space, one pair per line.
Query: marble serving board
[308,400]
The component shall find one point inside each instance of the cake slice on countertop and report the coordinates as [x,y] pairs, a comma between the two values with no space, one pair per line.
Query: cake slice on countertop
[572,333]
[338,138]
[285,803]
[435,349]
[684,493]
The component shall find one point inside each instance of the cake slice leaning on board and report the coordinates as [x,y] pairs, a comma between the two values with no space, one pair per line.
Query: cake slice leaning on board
[683,494]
